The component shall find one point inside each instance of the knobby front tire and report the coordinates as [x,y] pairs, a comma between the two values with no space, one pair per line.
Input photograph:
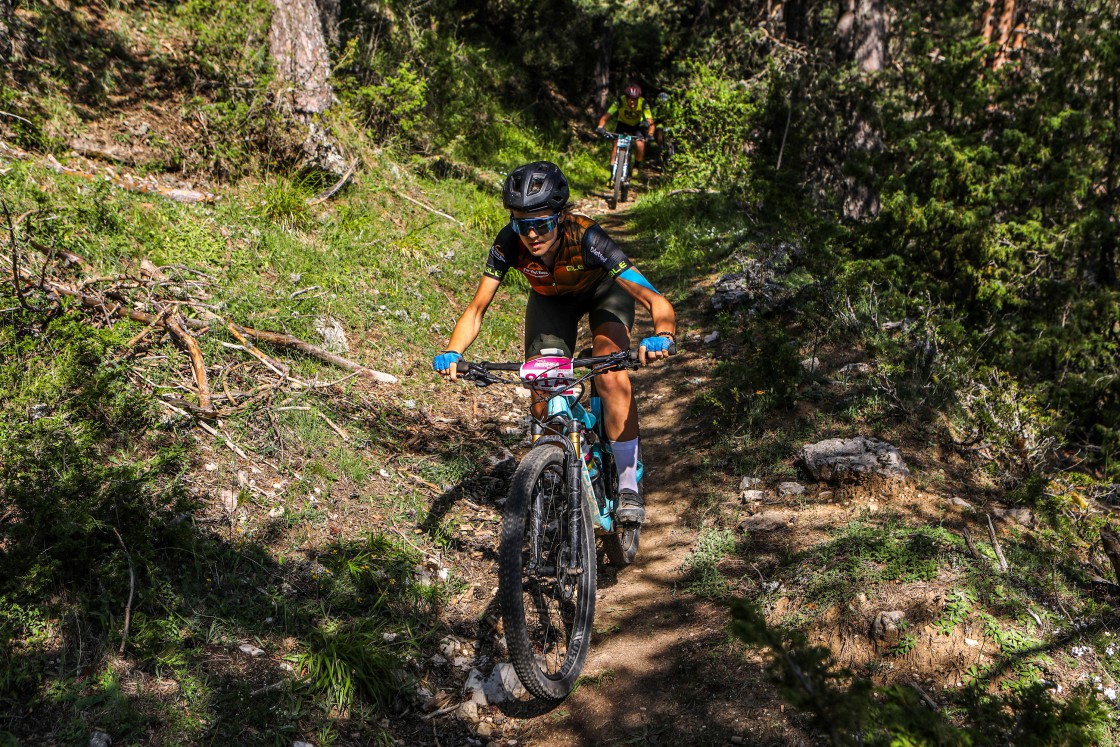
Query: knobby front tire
[547,613]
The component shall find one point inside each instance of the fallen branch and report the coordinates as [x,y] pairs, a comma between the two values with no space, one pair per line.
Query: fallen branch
[130,183]
[690,191]
[428,208]
[440,712]
[971,545]
[16,116]
[342,434]
[268,688]
[284,340]
[422,481]
[276,366]
[332,191]
[158,321]
[131,590]
[198,365]
[208,428]
[995,545]
[275,338]
[930,702]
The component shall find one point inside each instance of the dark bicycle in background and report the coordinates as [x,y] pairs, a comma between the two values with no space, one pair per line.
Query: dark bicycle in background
[562,497]
[621,167]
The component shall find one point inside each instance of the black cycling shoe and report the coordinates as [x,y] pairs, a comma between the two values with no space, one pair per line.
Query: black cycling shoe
[631,507]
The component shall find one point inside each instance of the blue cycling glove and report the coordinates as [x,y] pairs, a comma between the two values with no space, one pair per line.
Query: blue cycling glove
[445,360]
[656,344]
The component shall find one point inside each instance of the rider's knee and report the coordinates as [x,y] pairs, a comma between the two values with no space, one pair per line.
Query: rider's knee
[614,384]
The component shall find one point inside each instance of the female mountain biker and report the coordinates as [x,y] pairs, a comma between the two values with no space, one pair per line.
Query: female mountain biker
[632,117]
[574,269]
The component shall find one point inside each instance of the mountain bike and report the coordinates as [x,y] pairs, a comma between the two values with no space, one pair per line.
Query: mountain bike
[621,167]
[562,497]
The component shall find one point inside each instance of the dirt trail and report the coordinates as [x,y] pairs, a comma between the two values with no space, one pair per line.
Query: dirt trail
[660,670]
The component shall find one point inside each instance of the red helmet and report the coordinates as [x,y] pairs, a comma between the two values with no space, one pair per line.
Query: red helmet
[633,91]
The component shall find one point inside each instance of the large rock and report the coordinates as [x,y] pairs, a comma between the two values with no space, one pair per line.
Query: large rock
[846,459]
[503,685]
[887,626]
[757,287]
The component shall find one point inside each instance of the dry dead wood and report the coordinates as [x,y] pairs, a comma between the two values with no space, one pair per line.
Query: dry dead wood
[198,365]
[333,190]
[290,341]
[1110,541]
[131,591]
[274,338]
[1003,566]
[252,350]
[971,545]
[429,208]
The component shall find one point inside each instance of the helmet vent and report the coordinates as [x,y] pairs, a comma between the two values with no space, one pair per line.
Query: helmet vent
[535,184]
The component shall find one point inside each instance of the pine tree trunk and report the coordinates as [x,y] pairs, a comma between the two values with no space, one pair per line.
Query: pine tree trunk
[861,36]
[604,44]
[7,30]
[300,52]
[303,65]
[796,20]
[331,13]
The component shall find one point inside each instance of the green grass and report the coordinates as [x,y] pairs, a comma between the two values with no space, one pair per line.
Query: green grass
[703,577]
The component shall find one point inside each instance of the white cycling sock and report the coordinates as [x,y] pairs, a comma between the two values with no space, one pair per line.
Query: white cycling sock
[626,462]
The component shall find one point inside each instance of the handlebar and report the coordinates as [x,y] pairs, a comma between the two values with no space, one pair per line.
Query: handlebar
[623,360]
[614,136]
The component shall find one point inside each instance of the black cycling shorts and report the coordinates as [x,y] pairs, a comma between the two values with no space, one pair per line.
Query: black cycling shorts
[634,129]
[553,321]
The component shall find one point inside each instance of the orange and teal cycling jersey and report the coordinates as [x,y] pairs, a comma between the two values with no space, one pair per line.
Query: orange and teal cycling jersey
[630,114]
[585,256]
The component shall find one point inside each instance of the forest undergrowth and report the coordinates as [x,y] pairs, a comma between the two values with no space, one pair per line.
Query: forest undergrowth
[285,560]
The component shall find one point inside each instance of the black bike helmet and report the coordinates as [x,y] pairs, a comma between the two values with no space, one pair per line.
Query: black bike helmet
[536,186]
[633,91]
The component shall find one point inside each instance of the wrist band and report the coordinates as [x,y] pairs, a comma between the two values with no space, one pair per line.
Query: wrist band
[667,334]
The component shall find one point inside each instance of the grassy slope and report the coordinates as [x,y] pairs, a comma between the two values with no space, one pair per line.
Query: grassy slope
[315,556]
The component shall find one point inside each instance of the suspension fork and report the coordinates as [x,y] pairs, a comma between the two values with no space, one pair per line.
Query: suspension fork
[570,442]
[574,464]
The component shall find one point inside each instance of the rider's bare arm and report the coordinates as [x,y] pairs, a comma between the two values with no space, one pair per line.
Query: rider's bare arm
[664,317]
[469,324]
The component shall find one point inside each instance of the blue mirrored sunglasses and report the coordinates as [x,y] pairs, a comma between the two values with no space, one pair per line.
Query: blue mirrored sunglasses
[539,226]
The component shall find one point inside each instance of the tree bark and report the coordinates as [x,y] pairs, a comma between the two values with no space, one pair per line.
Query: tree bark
[300,52]
[303,65]
[330,11]
[861,36]
[998,26]
[7,30]
[604,45]
[795,18]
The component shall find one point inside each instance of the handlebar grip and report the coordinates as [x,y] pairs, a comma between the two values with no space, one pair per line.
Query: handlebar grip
[461,366]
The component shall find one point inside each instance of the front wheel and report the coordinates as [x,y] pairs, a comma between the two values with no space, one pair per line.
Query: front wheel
[547,607]
[619,175]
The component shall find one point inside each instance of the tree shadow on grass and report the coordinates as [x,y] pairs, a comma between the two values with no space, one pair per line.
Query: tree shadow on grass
[125,607]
